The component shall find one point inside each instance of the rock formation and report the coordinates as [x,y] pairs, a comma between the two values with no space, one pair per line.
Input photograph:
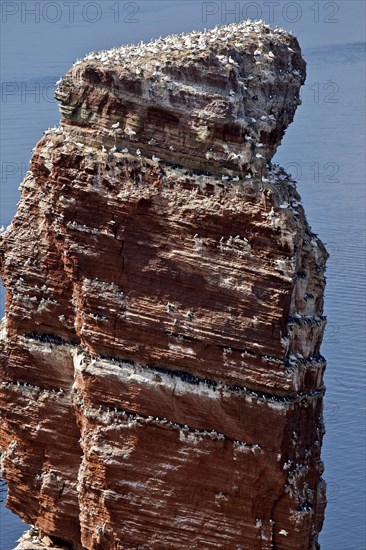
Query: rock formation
[161,375]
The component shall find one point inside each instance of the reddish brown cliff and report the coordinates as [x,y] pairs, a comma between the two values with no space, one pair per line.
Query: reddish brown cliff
[161,375]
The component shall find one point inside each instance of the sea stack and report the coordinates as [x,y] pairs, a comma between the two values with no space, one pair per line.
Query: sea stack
[161,375]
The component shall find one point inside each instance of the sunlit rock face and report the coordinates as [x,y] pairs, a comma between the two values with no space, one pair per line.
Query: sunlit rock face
[160,360]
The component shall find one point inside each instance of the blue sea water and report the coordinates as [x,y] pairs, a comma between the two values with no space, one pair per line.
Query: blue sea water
[324,149]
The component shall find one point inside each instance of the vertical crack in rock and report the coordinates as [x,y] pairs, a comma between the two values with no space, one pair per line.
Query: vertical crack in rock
[161,375]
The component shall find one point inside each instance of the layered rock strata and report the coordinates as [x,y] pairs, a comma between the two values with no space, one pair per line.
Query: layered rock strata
[160,360]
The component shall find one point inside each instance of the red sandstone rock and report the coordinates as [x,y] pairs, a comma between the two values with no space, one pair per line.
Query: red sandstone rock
[161,375]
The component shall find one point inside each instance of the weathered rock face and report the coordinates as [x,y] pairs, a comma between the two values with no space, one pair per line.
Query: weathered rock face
[161,375]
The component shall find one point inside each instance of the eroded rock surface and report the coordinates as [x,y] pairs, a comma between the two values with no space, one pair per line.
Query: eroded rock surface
[160,359]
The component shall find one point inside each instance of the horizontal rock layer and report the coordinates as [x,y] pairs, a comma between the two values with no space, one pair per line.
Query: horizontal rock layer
[160,357]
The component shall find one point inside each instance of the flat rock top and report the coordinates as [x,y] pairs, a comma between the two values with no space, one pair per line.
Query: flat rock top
[248,37]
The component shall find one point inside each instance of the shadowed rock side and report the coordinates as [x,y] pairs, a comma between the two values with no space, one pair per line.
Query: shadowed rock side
[161,376]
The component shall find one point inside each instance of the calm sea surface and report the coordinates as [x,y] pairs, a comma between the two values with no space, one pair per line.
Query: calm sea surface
[323,149]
